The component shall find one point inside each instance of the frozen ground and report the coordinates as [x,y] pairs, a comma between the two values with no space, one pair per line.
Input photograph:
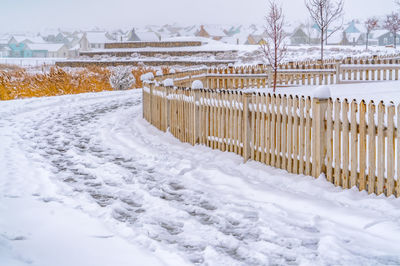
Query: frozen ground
[86,181]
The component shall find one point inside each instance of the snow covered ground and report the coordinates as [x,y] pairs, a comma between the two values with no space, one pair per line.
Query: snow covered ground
[29,62]
[86,181]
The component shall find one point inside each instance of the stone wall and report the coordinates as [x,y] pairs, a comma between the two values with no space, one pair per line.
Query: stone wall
[150,53]
[137,63]
[124,45]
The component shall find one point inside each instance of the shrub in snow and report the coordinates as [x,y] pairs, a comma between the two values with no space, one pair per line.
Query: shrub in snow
[172,71]
[159,73]
[122,78]
[197,85]
[168,83]
[322,92]
[146,77]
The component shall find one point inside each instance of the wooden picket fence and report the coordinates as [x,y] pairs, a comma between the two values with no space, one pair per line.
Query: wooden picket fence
[353,144]
[363,69]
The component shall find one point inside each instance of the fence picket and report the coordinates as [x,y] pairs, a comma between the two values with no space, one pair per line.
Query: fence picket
[308,142]
[337,145]
[371,148]
[329,142]
[345,144]
[284,131]
[295,136]
[362,147]
[381,149]
[390,151]
[354,145]
[302,136]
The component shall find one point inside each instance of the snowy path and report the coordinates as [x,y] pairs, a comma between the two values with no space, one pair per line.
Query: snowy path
[178,203]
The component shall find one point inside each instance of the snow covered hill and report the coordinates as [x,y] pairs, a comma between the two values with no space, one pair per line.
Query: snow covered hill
[84,180]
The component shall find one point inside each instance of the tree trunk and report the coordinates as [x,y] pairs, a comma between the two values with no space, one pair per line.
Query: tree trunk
[322,46]
[366,45]
[275,78]
[395,39]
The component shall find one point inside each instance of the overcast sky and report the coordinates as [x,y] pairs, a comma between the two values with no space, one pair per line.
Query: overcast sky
[35,15]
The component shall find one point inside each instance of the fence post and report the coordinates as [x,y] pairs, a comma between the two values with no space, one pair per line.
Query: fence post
[196,117]
[247,126]
[338,72]
[319,108]
[151,101]
[166,108]
[269,73]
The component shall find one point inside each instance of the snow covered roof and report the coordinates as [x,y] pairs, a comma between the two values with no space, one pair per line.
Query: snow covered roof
[148,36]
[378,33]
[4,41]
[353,36]
[23,38]
[214,31]
[51,47]
[97,37]
[336,38]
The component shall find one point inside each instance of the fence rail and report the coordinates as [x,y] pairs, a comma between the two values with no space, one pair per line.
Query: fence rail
[353,144]
[366,69]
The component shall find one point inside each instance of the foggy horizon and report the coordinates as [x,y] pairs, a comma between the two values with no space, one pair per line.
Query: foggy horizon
[34,16]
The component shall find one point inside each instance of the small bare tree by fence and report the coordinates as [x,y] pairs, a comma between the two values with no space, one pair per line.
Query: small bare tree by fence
[325,13]
[274,49]
[392,24]
[371,24]
[354,144]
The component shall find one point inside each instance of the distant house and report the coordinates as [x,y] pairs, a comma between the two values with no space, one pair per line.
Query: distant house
[255,40]
[233,31]
[354,38]
[148,36]
[211,32]
[5,50]
[20,50]
[93,40]
[383,38]
[354,34]
[59,50]
[299,37]
[58,38]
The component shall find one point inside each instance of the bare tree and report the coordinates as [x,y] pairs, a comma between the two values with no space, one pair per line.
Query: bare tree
[392,24]
[370,24]
[275,48]
[325,13]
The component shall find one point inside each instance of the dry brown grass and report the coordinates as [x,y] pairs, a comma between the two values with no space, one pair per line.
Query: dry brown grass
[17,83]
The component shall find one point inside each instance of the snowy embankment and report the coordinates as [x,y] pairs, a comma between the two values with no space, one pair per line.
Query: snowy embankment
[86,181]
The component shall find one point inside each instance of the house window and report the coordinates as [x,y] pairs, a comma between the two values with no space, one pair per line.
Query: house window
[92,45]
[385,41]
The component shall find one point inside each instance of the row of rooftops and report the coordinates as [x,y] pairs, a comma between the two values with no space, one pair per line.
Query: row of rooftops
[241,34]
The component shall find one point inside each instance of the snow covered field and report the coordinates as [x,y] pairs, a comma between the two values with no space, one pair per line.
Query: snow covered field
[86,181]
[30,62]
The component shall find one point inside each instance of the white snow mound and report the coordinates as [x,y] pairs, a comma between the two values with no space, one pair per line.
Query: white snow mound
[322,92]
[168,82]
[197,85]
[147,76]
